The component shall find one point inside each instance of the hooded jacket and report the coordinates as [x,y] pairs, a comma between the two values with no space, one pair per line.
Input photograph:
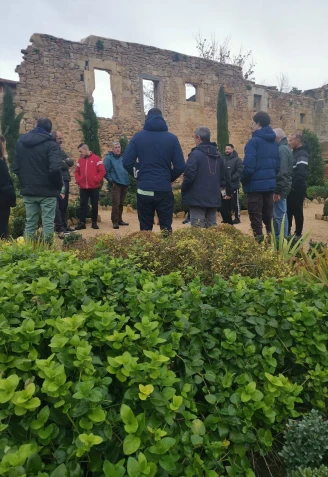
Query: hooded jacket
[37,164]
[284,177]
[261,162]
[300,169]
[234,169]
[115,171]
[66,164]
[204,176]
[7,189]
[89,172]
[159,154]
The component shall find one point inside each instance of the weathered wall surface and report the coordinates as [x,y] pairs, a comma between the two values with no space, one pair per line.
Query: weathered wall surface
[56,75]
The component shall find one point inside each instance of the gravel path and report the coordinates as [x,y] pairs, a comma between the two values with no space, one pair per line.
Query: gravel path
[317,228]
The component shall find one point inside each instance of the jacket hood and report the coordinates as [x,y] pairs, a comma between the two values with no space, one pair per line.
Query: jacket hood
[155,123]
[35,137]
[301,148]
[210,149]
[232,155]
[265,133]
[283,142]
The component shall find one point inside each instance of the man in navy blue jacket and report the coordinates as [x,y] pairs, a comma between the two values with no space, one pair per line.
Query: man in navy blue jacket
[261,165]
[154,156]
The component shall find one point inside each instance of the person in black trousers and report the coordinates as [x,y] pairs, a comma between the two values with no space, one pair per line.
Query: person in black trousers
[7,191]
[67,163]
[295,199]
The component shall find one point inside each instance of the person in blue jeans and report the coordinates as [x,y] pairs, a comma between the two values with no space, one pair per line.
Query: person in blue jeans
[283,183]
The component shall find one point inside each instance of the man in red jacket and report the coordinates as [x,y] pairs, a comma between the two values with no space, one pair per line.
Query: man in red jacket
[89,173]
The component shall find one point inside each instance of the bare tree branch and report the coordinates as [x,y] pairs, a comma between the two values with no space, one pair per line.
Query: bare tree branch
[283,83]
[213,50]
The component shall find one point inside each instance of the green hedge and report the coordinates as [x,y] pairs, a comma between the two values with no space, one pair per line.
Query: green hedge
[109,371]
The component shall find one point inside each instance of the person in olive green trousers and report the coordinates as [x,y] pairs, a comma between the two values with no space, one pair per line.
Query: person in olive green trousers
[283,183]
[37,164]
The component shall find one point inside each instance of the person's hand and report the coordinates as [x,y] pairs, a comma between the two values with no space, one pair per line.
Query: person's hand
[276,197]
[227,197]
[62,196]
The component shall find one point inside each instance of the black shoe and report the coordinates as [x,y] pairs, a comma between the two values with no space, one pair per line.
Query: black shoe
[94,226]
[69,229]
[187,221]
[236,221]
[80,226]
[116,226]
[123,223]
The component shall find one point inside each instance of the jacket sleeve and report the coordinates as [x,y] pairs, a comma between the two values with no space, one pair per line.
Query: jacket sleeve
[130,157]
[283,174]
[101,171]
[77,173]
[16,161]
[178,162]
[249,161]
[225,180]
[190,172]
[108,168]
[236,176]
[67,160]
[55,164]
[7,189]
[300,172]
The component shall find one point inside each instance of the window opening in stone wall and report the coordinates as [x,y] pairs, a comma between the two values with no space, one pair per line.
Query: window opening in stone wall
[102,95]
[229,100]
[82,77]
[302,118]
[150,100]
[257,102]
[191,92]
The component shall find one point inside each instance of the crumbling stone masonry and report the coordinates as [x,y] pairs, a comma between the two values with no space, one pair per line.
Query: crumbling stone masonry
[56,75]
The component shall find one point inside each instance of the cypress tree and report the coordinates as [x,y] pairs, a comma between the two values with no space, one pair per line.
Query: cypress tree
[222,121]
[89,125]
[316,166]
[10,123]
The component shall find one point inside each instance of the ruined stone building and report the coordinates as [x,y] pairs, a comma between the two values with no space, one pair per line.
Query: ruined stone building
[56,75]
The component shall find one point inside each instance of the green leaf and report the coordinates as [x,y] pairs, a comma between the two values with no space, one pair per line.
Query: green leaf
[163,446]
[210,398]
[131,444]
[97,415]
[227,380]
[33,464]
[131,423]
[60,471]
[7,388]
[196,440]
[230,335]
[198,427]
[133,467]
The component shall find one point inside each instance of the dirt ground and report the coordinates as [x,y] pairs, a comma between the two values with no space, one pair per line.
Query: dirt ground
[318,228]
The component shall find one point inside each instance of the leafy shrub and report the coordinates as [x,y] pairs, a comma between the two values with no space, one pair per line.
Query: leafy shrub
[325,208]
[71,238]
[179,206]
[314,266]
[321,472]
[17,220]
[73,209]
[193,252]
[316,166]
[313,192]
[306,442]
[110,371]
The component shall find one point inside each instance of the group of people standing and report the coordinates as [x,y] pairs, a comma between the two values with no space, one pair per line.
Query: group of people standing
[273,180]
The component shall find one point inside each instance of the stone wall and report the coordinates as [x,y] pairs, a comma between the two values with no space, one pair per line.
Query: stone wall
[56,75]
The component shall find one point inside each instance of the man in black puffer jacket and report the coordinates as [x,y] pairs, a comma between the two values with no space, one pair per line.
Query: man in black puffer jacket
[234,171]
[204,180]
[296,196]
[37,164]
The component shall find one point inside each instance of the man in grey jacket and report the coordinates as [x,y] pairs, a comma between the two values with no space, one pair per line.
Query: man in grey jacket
[283,183]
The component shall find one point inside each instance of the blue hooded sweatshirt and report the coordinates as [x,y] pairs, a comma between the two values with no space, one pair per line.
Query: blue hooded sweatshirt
[159,154]
[261,162]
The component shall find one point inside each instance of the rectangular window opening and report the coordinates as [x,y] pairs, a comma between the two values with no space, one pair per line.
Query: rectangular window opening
[150,94]
[302,118]
[257,102]
[191,92]
[102,95]
[229,100]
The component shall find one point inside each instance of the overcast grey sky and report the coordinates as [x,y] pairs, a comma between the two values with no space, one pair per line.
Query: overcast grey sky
[285,36]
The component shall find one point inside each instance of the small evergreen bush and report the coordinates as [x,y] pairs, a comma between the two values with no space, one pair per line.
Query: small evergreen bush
[306,442]
[325,208]
[320,472]
[316,166]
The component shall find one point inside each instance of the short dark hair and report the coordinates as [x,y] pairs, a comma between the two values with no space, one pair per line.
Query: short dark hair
[81,145]
[45,124]
[299,136]
[262,118]
[230,145]
[154,112]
